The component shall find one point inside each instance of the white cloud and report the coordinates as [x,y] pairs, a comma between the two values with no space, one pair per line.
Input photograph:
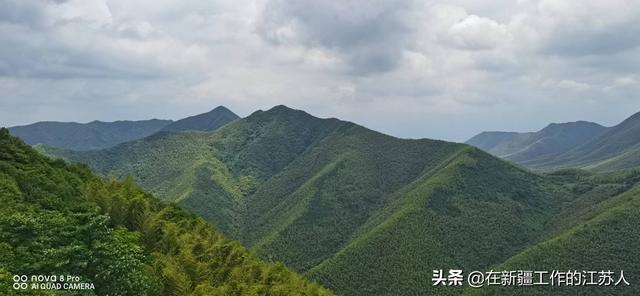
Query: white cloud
[477,33]
[401,67]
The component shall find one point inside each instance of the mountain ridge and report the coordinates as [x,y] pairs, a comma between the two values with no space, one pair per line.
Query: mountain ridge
[359,211]
[617,148]
[60,219]
[302,190]
[554,139]
[86,136]
[97,134]
[208,121]
[590,146]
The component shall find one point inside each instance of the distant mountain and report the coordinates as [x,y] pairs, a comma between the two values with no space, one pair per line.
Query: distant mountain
[60,219]
[209,121]
[86,136]
[500,143]
[615,149]
[552,140]
[361,212]
[99,135]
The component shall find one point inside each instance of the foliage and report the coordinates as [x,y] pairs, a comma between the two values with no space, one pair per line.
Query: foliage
[606,240]
[361,212]
[60,219]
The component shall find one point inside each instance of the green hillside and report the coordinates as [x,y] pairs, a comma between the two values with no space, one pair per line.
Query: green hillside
[361,212]
[311,210]
[211,173]
[606,239]
[176,167]
[86,136]
[59,219]
[469,213]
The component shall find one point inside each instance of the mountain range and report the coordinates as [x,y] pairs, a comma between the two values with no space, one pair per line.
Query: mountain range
[580,144]
[59,220]
[550,141]
[99,135]
[365,213]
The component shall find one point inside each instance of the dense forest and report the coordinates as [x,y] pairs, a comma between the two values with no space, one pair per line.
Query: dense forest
[364,213]
[59,218]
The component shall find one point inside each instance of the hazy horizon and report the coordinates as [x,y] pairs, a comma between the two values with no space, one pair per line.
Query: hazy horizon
[311,113]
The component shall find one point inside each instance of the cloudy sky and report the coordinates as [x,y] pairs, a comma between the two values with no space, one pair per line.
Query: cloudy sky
[437,69]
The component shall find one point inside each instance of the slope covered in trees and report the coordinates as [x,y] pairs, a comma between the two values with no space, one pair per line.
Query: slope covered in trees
[60,219]
[211,173]
[86,136]
[361,212]
[602,237]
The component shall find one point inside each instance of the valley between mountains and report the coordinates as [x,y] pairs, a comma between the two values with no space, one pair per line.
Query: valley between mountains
[364,213]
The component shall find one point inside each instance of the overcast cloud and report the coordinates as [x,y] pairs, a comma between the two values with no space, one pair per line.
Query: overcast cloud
[436,69]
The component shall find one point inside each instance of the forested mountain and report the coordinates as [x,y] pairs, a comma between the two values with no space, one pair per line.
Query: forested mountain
[209,121]
[617,148]
[571,145]
[85,136]
[362,212]
[60,219]
[595,233]
[551,141]
[98,135]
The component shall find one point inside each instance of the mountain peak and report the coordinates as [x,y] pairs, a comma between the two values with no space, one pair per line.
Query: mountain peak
[220,109]
[293,116]
[580,124]
[279,111]
[552,140]
[283,108]
[207,122]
